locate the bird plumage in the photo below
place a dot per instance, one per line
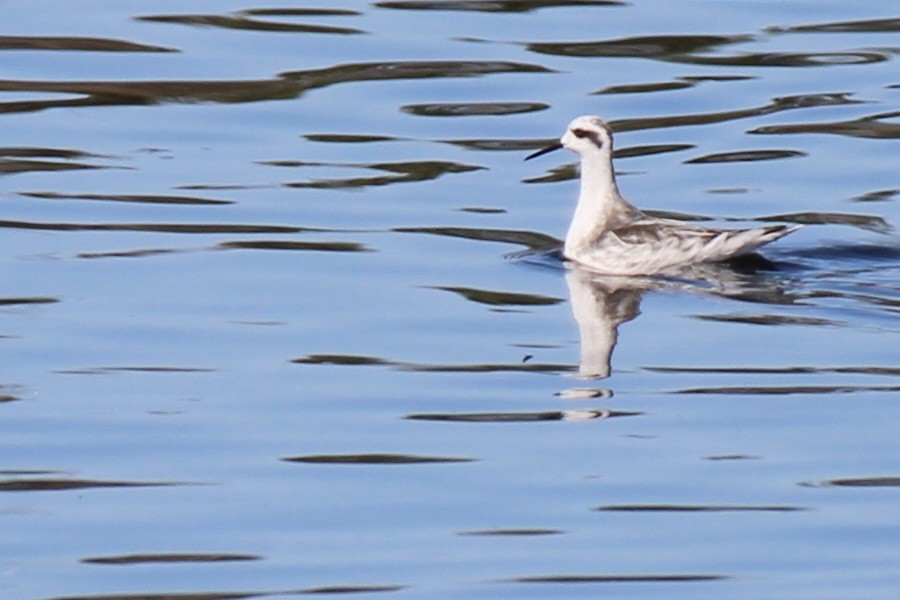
(610, 235)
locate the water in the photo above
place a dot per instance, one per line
(259, 336)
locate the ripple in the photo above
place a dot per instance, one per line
(14, 42)
(788, 390)
(643, 88)
(857, 252)
(877, 196)
(867, 222)
(679, 83)
(687, 49)
(495, 298)
(7, 397)
(685, 508)
(764, 319)
(778, 104)
(745, 156)
(53, 484)
(790, 59)
(285, 86)
(483, 210)
(732, 457)
(240, 595)
(348, 138)
(510, 6)
(533, 240)
(136, 369)
(186, 228)
(661, 46)
(341, 360)
(522, 417)
(23, 159)
(866, 26)
(301, 12)
(556, 174)
(294, 245)
(512, 532)
(872, 127)
(244, 20)
(638, 578)
(401, 172)
(26, 166)
(130, 198)
(788, 370)
(138, 253)
(863, 482)
(468, 109)
(517, 145)
(650, 150)
(136, 559)
(375, 459)
(359, 360)
(20, 300)
(428, 69)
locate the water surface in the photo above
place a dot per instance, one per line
(282, 314)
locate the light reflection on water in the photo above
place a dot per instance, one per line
(281, 310)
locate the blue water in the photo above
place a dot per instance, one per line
(259, 334)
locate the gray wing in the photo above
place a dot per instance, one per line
(652, 245)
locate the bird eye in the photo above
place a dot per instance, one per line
(581, 133)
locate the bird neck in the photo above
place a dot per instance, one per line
(600, 205)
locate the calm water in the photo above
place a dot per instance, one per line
(260, 335)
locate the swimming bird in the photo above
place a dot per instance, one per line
(611, 236)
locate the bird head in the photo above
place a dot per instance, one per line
(584, 135)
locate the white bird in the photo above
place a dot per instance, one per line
(611, 236)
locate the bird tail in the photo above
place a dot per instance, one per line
(744, 241)
(770, 234)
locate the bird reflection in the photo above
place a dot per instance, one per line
(601, 303)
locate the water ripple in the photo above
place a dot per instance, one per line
(698, 508)
(504, 6)
(687, 49)
(20, 300)
(866, 26)
(90, 44)
(872, 126)
(136, 559)
(128, 198)
(24, 160)
(245, 21)
(499, 298)
(468, 109)
(638, 578)
(239, 595)
(189, 228)
(523, 417)
(54, 484)
(401, 172)
(375, 459)
(288, 85)
(786, 390)
(294, 246)
(745, 156)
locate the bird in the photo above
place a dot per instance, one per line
(609, 235)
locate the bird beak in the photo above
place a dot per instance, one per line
(543, 151)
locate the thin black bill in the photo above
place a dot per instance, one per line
(543, 151)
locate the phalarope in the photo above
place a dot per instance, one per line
(611, 236)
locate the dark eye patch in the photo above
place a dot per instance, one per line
(587, 133)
